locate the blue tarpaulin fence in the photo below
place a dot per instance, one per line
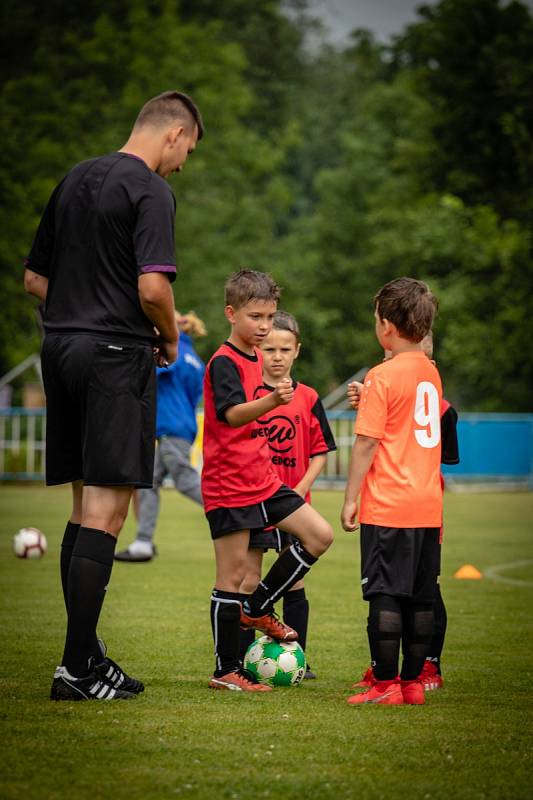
(493, 447)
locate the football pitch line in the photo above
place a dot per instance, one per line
(494, 573)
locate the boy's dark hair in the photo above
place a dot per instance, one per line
(410, 305)
(246, 285)
(169, 107)
(283, 321)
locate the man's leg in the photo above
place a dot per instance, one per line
(315, 535)
(104, 510)
(176, 454)
(70, 536)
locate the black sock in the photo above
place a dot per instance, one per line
(246, 638)
(246, 635)
(225, 616)
(291, 566)
(384, 634)
(417, 628)
(67, 545)
(439, 630)
(370, 643)
(296, 613)
(88, 577)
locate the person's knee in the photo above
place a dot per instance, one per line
(231, 579)
(318, 538)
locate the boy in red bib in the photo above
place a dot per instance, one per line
(239, 486)
(299, 439)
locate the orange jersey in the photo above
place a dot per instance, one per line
(400, 405)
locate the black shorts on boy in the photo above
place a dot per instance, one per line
(257, 516)
(400, 562)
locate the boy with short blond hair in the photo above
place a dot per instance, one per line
(299, 439)
(239, 486)
(395, 464)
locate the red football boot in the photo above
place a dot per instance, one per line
(413, 693)
(430, 677)
(271, 626)
(385, 693)
(238, 682)
(367, 680)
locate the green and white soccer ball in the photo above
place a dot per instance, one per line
(276, 663)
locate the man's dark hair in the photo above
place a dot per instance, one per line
(246, 285)
(168, 108)
(410, 305)
(283, 321)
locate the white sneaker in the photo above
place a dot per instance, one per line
(138, 551)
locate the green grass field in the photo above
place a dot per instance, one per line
(473, 739)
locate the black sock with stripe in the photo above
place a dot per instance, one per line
(225, 616)
(88, 577)
(246, 635)
(291, 566)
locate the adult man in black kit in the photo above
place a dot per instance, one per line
(103, 261)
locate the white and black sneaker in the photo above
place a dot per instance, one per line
(92, 687)
(110, 671)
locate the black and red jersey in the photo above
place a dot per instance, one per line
(295, 433)
(237, 470)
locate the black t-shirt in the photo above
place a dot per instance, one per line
(108, 221)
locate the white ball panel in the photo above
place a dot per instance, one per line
(287, 662)
(267, 668)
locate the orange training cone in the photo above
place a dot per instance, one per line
(468, 572)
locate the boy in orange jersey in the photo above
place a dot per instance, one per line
(240, 489)
(395, 464)
(430, 677)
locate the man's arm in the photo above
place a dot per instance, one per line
(35, 284)
(363, 452)
(316, 465)
(243, 413)
(157, 302)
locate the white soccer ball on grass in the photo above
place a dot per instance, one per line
(29, 543)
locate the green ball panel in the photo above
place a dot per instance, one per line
(265, 653)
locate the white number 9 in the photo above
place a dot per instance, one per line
(427, 415)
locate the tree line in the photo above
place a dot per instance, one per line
(335, 168)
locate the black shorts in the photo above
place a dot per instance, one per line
(270, 539)
(401, 562)
(101, 405)
(269, 512)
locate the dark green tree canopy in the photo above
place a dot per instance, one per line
(335, 169)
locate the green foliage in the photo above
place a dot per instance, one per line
(473, 61)
(336, 170)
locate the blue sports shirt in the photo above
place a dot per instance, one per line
(179, 389)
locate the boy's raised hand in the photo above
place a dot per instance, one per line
(284, 392)
(354, 393)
